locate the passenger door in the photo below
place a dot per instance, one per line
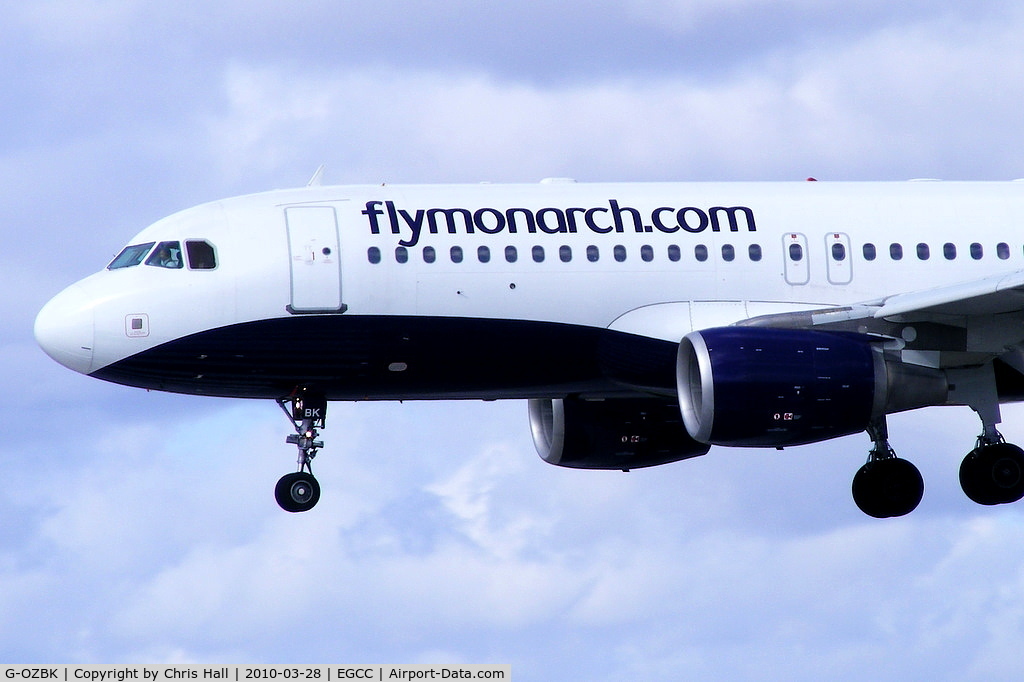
(315, 259)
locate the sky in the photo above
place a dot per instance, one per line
(140, 527)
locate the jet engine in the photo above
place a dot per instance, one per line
(610, 434)
(766, 387)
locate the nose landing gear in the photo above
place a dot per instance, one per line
(300, 491)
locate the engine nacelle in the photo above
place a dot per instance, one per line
(766, 387)
(610, 434)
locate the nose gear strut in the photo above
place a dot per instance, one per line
(300, 491)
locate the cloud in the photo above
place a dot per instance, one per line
(75, 23)
(141, 527)
(428, 532)
(838, 112)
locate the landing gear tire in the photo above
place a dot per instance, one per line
(993, 474)
(307, 411)
(888, 487)
(297, 492)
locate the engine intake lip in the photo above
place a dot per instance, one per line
(696, 386)
(547, 424)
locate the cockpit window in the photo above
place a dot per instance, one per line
(166, 255)
(130, 256)
(201, 255)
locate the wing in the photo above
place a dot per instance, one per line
(997, 295)
(960, 325)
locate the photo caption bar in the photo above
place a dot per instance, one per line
(250, 673)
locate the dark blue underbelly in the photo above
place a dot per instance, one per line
(350, 357)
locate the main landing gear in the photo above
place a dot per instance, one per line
(992, 473)
(300, 491)
(886, 486)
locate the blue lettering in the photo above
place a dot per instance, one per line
(449, 216)
(589, 218)
(572, 218)
(656, 219)
(498, 216)
(551, 220)
(371, 212)
(415, 224)
(560, 225)
(702, 219)
(510, 216)
(748, 216)
(638, 223)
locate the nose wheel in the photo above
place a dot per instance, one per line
(299, 491)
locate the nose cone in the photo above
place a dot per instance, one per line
(64, 329)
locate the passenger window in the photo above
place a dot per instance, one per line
(166, 255)
(130, 256)
(538, 254)
(838, 252)
(923, 252)
(674, 254)
(976, 251)
(646, 253)
(949, 251)
(1003, 250)
(401, 254)
(593, 253)
(754, 251)
(202, 256)
(700, 252)
(511, 255)
(796, 253)
(373, 254)
(728, 252)
(869, 252)
(483, 254)
(565, 253)
(429, 254)
(619, 252)
(456, 254)
(896, 251)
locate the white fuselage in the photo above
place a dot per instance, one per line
(651, 260)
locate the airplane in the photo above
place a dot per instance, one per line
(642, 322)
